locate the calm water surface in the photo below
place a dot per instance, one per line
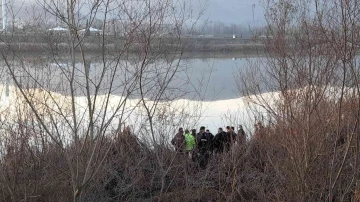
(205, 79)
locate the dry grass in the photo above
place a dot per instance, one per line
(264, 170)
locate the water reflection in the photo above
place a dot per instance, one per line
(205, 79)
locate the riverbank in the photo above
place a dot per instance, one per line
(58, 43)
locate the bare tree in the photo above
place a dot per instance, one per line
(310, 72)
(75, 102)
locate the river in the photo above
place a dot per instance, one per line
(207, 86)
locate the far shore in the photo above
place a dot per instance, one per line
(191, 47)
(39, 50)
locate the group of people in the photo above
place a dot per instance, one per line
(200, 146)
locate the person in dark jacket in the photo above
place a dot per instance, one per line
(179, 141)
(241, 135)
(219, 141)
(204, 142)
(204, 139)
(234, 135)
(193, 133)
(211, 138)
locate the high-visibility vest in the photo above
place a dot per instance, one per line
(190, 142)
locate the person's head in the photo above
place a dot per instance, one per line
(202, 129)
(193, 131)
(127, 130)
(207, 131)
(220, 130)
(181, 130)
(228, 128)
(187, 131)
(232, 128)
(240, 127)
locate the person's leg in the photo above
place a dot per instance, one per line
(206, 159)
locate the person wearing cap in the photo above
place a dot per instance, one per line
(179, 141)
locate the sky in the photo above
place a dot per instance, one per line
(235, 11)
(244, 12)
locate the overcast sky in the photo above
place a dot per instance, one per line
(245, 12)
(235, 11)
